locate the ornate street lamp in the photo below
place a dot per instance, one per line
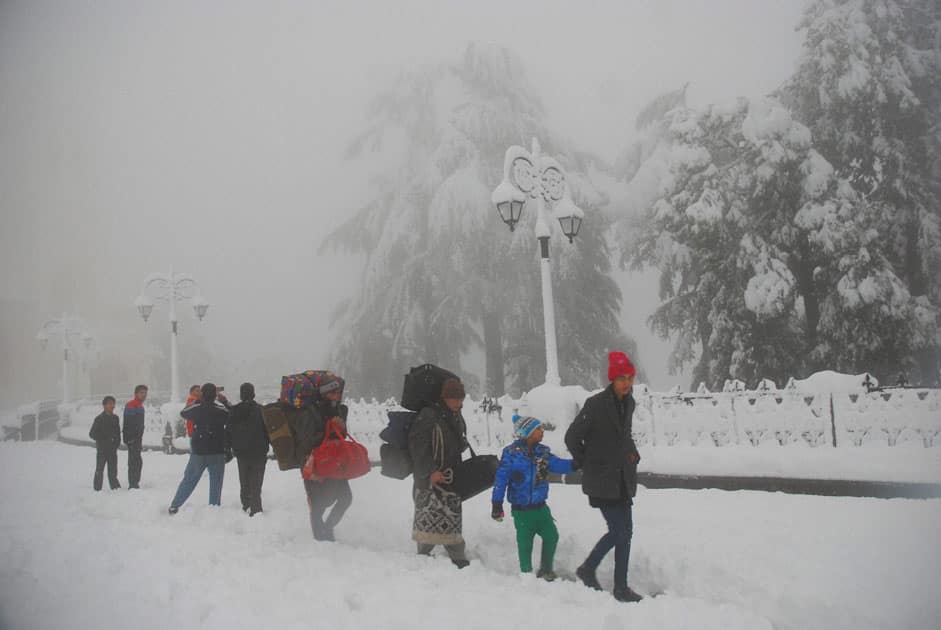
(531, 176)
(171, 288)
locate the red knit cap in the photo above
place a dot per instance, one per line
(619, 365)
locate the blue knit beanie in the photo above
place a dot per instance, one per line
(523, 426)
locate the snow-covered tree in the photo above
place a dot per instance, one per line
(442, 274)
(762, 252)
(868, 85)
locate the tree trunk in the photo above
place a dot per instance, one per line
(493, 349)
(808, 291)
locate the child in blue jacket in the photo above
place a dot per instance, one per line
(523, 475)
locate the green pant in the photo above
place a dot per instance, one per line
(529, 523)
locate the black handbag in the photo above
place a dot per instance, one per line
(474, 475)
(396, 462)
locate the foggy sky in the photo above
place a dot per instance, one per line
(209, 136)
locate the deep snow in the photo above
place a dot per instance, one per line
(73, 558)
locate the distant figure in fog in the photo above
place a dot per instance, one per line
(106, 431)
(134, 436)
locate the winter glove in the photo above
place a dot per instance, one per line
(634, 457)
(228, 455)
(497, 512)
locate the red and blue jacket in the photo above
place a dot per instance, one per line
(133, 428)
(523, 474)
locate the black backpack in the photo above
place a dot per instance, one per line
(423, 386)
(394, 456)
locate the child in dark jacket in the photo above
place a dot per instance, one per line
(523, 475)
(106, 431)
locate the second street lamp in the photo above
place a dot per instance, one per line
(171, 288)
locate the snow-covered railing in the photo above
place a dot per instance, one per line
(823, 410)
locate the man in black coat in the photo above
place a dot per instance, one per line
(106, 431)
(602, 446)
(209, 448)
(250, 446)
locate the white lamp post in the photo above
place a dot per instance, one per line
(529, 175)
(65, 327)
(171, 288)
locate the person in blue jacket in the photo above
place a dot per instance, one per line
(523, 475)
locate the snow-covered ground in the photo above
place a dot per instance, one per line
(73, 558)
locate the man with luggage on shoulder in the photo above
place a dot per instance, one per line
(435, 442)
(602, 446)
(133, 431)
(325, 407)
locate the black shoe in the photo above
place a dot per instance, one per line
(460, 564)
(588, 577)
(626, 595)
(171, 510)
(548, 576)
(133, 487)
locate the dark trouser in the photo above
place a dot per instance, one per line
(321, 495)
(455, 552)
(529, 524)
(620, 530)
(134, 464)
(251, 476)
(194, 472)
(109, 456)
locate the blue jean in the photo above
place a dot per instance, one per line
(620, 530)
(194, 472)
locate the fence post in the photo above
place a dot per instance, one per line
(832, 420)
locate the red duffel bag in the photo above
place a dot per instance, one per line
(340, 458)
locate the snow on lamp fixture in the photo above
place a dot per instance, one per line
(509, 201)
(569, 215)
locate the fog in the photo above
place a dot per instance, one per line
(210, 136)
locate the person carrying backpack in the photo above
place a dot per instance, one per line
(311, 432)
(523, 475)
(435, 443)
(250, 447)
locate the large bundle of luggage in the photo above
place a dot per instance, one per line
(422, 387)
(298, 391)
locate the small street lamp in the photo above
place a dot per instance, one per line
(66, 327)
(529, 175)
(171, 288)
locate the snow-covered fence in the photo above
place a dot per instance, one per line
(824, 410)
(33, 421)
